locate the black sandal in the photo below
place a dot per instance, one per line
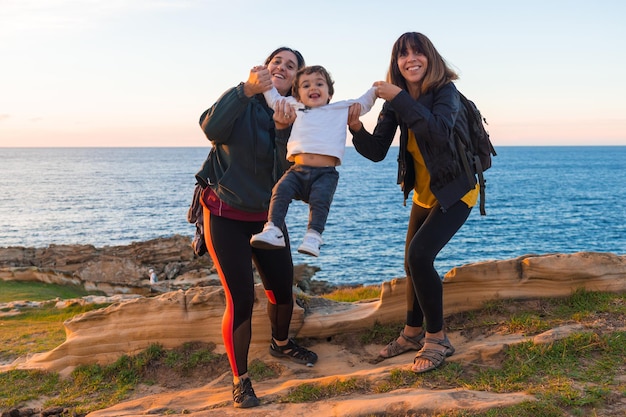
(294, 352)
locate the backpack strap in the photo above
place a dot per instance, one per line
(468, 171)
(481, 183)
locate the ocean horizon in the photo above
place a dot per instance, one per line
(539, 200)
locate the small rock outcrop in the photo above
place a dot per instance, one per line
(125, 269)
(110, 269)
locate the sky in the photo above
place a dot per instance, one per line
(140, 72)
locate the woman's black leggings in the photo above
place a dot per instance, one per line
(428, 232)
(228, 242)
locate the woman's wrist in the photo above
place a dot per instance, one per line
(356, 127)
(248, 91)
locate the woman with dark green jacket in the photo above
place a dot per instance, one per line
(245, 161)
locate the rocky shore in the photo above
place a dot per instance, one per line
(125, 269)
(188, 298)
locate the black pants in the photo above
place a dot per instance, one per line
(228, 242)
(428, 232)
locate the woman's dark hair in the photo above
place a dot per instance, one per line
(284, 48)
(313, 69)
(437, 72)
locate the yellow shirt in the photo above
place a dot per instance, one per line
(422, 195)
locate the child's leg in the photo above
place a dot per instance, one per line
(288, 187)
(322, 190)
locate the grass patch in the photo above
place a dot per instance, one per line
(574, 376)
(570, 377)
(39, 291)
(187, 358)
(381, 334)
(317, 392)
(350, 294)
(21, 386)
(260, 371)
(39, 329)
(36, 330)
(580, 358)
(530, 317)
(93, 387)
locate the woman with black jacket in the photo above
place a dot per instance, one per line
(424, 103)
(245, 161)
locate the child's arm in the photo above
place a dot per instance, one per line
(367, 100)
(272, 96)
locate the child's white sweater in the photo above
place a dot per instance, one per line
(320, 130)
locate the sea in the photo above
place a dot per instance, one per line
(539, 200)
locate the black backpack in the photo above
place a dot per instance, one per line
(475, 150)
(195, 216)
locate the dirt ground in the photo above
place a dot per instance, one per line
(205, 390)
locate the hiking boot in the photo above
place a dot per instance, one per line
(270, 238)
(294, 352)
(243, 394)
(311, 243)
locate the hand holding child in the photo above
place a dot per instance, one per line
(354, 115)
(386, 91)
(284, 114)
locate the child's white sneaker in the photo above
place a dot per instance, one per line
(311, 243)
(270, 238)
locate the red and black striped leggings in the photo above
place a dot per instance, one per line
(228, 242)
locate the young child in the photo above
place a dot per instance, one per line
(316, 146)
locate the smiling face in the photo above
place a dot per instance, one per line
(313, 90)
(412, 65)
(416, 66)
(283, 67)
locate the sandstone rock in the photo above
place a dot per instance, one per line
(555, 275)
(468, 287)
(128, 327)
(195, 314)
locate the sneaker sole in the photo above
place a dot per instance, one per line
(259, 244)
(296, 360)
(248, 403)
(307, 252)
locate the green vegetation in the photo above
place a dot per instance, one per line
(574, 376)
(577, 374)
(92, 387)
(337, 388)
(350, 295)
(36, 329)
(260, 370)
(38, 291)
(580, 375)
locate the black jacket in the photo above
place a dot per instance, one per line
(246, 158)
(432, 118)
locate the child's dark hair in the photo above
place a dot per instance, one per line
(313, 69)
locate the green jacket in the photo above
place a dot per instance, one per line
(246, 158)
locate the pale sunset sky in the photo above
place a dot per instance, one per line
(140, 72)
